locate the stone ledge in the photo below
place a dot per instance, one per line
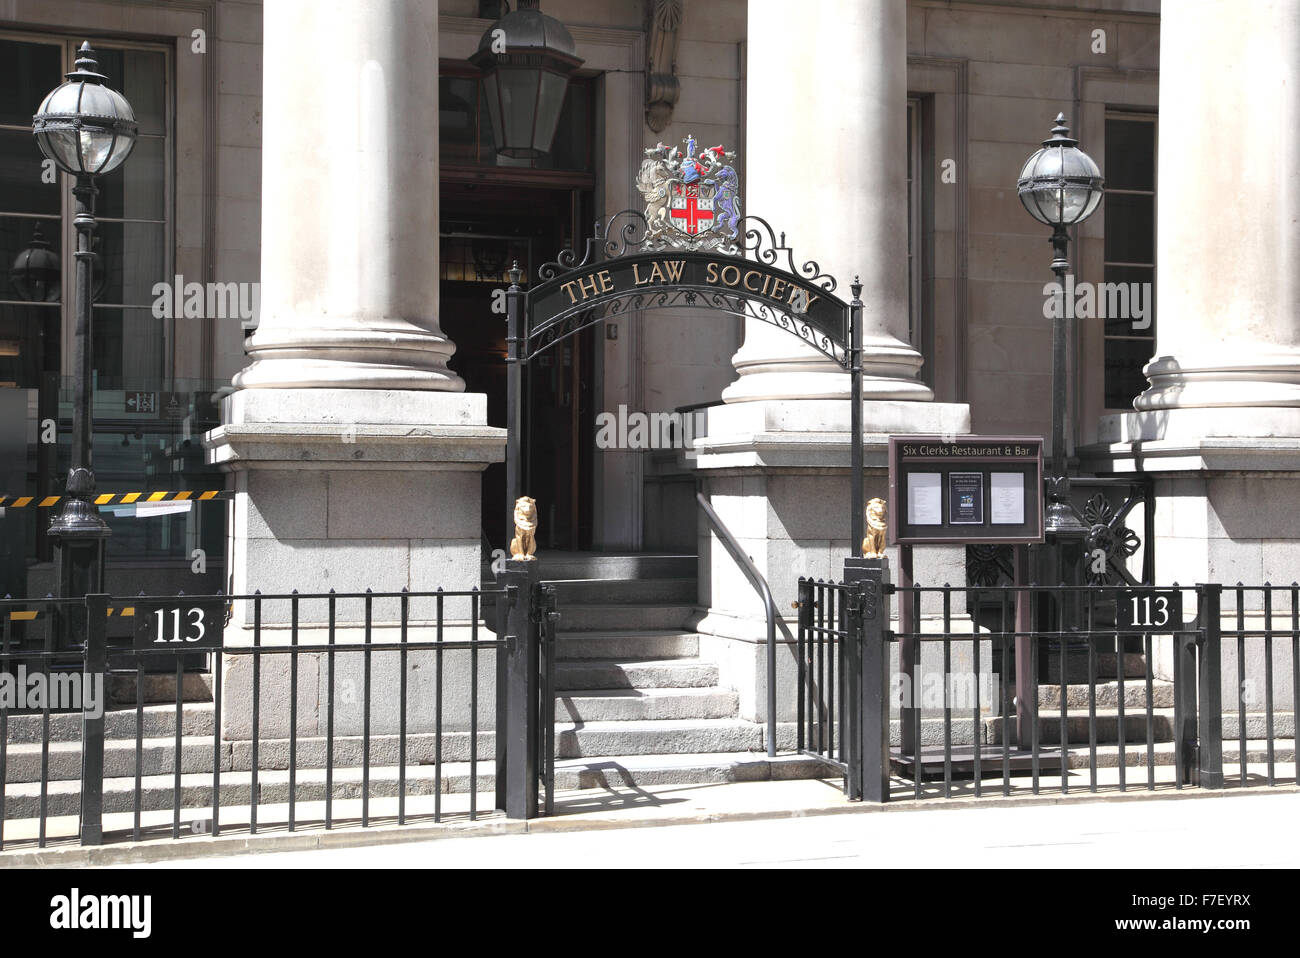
(354, 407)
(360, 446)
(813, 433)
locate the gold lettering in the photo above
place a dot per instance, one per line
(606, 281)
(766, 281)
(712, 273)
(674, 269)
(752, 272)
(636, 276)
(582, 282)
(566, 288)
(656, 274)
(732, 269)
(777, 288)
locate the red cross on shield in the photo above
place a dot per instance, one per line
(689, 210)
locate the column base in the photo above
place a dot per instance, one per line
(772, 365)
(366, 357)
(776, 472)
(1267, 376)
(349, 490)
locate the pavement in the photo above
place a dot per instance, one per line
(1237, 831)
(1239, 826)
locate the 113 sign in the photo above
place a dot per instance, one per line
(186, 625)
(1154, 610)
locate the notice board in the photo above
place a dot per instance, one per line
(967, 489)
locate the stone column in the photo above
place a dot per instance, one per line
(1229, 262)
(350, 199)
(356, 455)
(827, 165)
(1219, 427)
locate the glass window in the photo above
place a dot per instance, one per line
(31, 226)
(1130, 255)
(132, 238)
(133, 246)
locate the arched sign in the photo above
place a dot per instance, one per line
(674, 279)
(627, 270)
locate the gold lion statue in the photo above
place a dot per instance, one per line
(524, 544)
(873, 546)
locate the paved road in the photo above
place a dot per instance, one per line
(1246, 831)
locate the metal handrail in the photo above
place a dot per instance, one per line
(760, 586)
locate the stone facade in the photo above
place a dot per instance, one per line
(297, 128)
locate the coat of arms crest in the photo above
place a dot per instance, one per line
(692, 197)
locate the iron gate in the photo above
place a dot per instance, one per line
(977, 701)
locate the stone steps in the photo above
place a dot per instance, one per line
(157, 791)
(628, 617)
(634, 674)
(638, 705)
(1076, 667)
(574, 739)
(1108, 726)
(159, 720)
(558, 566)
(626, 645)
(1135, 695)
(569, 592)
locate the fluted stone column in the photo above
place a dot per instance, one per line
(1229, 260)
(355, 453)
(1219, 427)
(350, 199)
(827, 165)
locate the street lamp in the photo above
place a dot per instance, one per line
(36, 273)
(1061, 186)
(526, 58)
(87, 129)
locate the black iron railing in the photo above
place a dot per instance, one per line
(1002, 689)
(1274, 611)
(824, 656)
(315, 708)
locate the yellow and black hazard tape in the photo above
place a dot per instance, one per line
(118, 498)
(30, 615)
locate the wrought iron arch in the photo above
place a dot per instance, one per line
(568, 323)
(798, 298)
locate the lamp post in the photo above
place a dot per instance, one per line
(88, 130)
(1060, 186)
(526, 58)
(37, 277)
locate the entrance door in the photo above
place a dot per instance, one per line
(485, 228)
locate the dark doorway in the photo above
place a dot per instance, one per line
(486, 226)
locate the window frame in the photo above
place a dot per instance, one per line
(67, 232)
(1129, 115)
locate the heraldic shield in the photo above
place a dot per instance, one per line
(692, 197)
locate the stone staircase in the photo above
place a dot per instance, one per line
(635, 705)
